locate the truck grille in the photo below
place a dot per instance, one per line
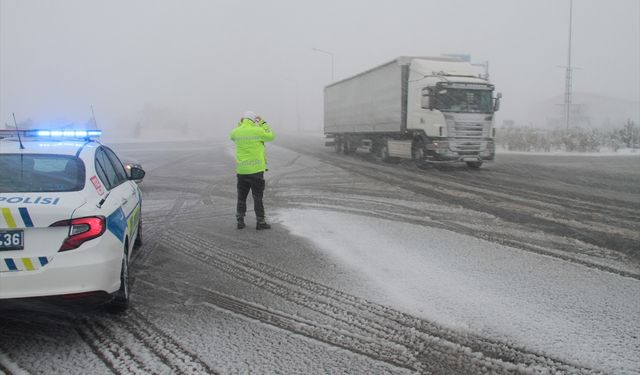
(468, 129)
(468, 146)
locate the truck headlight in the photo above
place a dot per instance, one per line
(438, 146)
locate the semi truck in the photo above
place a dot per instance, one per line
(428, 109)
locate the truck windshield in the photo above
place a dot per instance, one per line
(463, 100)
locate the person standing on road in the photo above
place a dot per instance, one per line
(251, 162)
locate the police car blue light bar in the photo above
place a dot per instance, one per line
(66, 133)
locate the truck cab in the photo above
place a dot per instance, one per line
(450, 112)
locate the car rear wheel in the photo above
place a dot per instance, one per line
(120, 301)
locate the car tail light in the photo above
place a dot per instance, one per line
(81, 230)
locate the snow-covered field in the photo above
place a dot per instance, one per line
(546, 305)
(603, 152)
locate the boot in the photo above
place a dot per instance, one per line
(241, 224)
(262, 224)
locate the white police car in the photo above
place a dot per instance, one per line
(69, 217)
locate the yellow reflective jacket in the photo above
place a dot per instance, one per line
(250, 153)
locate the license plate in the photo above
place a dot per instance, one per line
(11, 240)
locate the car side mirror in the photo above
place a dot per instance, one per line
(136, 173)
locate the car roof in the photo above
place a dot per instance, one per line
(45, 146)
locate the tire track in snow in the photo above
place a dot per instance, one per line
(131, 344)
(350, 341)
(429, 347)
(598, 234)
(9, 367)
(336, 337)
(496, 348)
(512, 237)
(496, 181)
(491, 182)
(173, 354)
(119, 359)
(561, 218)
(387, 211)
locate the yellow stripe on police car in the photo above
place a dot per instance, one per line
(23, 264)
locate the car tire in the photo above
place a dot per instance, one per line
(120, 301)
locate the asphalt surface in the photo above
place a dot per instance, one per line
(208, 298)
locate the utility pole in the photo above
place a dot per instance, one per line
(569, 69)
(93, 117)
(332, 62)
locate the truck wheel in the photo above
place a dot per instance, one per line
(474, 164)
(346, 147)
(417, 154)
(383, 153)
(337, 145)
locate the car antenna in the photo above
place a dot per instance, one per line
(18, 131)
(93, 116)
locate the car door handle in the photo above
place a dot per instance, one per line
(125, 201)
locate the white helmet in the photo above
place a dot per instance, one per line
(251, 116)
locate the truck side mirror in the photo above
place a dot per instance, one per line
(496, 104)
(425, 102)
(425, 99)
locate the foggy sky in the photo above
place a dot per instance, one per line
(206, 62)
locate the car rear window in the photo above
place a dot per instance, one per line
(40, 173)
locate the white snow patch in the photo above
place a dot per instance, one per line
(548, 305)
(7, 363)
(603, 152)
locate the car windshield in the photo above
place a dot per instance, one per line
(463, 100)
(40, 173)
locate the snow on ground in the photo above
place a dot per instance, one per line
(603, 152)
(10, 366)
(547, 305)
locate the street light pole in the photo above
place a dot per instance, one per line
(568, 83)
(332, 62)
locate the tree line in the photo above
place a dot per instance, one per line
(574, 139)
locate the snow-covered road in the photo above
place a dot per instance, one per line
(370, 268)
(559, 308)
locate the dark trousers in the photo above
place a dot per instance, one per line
(254, 182)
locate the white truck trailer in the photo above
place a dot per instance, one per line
(429, 109)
